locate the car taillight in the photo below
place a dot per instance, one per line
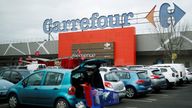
(155, 76)
(140, 81)
(71, 90)
(173, 74)
(108, 84)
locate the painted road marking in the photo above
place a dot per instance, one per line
(123, 107)
(159, 95)
(143, 100)
(152, 99)
(139, 100)
(182, 87)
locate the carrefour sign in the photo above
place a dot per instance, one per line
(94, 22)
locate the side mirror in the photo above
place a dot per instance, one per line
(24, 84)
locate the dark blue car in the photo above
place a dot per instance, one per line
(58, 88)
(136, 82)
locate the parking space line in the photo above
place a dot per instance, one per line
(124, 107)
(159, 94)
(131, 107)
(182, 87)
(139, 100)
(152, 99)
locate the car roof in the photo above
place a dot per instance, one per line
(135, 65)
(17, 70)
(104, 72)
(56, 70)
(107, 67)
(130, 71)
(159, 66)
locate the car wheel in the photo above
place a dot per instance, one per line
(157, 90)
(62, 103)
(187, 81)
(130, 92)
(169, 86)
(13, 101)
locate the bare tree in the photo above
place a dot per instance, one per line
(170, 39)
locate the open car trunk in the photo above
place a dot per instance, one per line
(87, 73)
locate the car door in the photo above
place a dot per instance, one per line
(31, 86)
(50, 88)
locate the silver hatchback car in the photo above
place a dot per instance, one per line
(158, 80)
(112, 82)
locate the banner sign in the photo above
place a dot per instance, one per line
(103, 50)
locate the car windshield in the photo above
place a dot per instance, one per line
(156, 72)
(111, 77)
(142, 75)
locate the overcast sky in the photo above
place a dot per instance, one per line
(23, 19)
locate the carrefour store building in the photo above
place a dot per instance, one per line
(111, 37)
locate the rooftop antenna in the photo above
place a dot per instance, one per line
(50, 36)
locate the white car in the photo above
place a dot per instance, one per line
(35, 66)
(188, 74)
(170, 74)
(112, 82)
(180, 68)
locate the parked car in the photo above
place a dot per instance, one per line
(4, 86)
(136, 82)
(35, 66)
(158, 80)
(14, 75)
(58, 88)
(180, 68)
(113, 83)
(170, 74)
(188, 75)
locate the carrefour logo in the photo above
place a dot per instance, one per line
(94, 22)
(100, 22)
(166, 14)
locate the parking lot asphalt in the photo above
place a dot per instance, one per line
(178, 97)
